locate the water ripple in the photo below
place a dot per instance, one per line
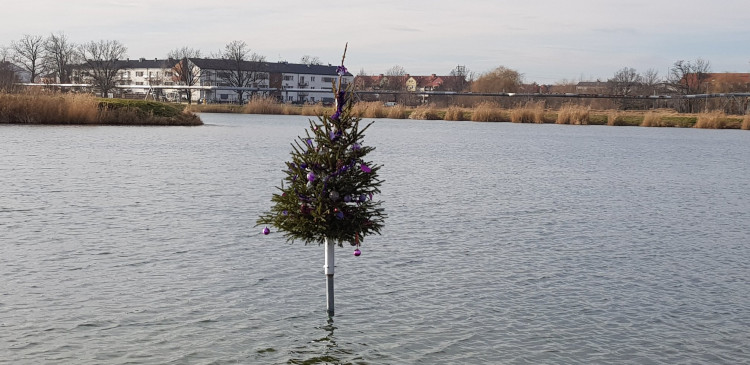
(505, 243)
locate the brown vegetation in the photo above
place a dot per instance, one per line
(425, 112)
(46, 108)
(531, 112)
(711, 120)
(455, 113)
(489, 112)
(573, 114)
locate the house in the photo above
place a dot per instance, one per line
(303, 83)
(591, 87)
(142, 73)
(728, 82)
(289, 82)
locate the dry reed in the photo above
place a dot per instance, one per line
(397, 112)
(711, 120)
(48, 109)
(261, 105)
(615, 117)
(454, 113)
(55, 108)
(314, 110)
(488, 112)
(653, 119)
(573, 114)
(746, 122)
(369, 109)
(531, 112)
(425, 112)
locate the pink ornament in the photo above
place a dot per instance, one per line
(266, 231)
(357, 252)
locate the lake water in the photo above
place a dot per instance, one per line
(505, 244)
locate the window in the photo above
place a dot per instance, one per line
(139, 83)
(312, 79)
(139, 74)
(168, 73)
(288, 77)
(328, 79)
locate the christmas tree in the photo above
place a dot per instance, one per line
(329, 188)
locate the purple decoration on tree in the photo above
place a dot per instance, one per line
(340, 215)
(347, 198)
(357, 252)
(310, 176)
(285, 212)
(356, 147)
(309, 142)
(341, 70)
(365, 168)
(303, 165)
(362, 198)
(266, 230)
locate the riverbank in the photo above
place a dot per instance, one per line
(81, 109)
(531, 112)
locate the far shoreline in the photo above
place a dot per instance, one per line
(490, 112)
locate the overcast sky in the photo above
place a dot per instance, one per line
(545, 40)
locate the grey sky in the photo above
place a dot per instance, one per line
(546, 40)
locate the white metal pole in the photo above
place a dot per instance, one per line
(328, 267)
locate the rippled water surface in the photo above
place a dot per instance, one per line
(505, 244)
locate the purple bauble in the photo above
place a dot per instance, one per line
(310, 176)
(362, 198)
(340, 215)
(266, 230)
(357, 252)
(347, 198)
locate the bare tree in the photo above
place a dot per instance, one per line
(243, 67)
(501, 79)
(310, 60)
(395, 79)
(689, 78)
(59, 56)
(624, 82)
(7, 71)
(650, 81)
(101, 58)
(28, 53)
(460, 79)
(185, 72)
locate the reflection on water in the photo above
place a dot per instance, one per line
(505, 243)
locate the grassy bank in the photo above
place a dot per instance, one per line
(44, 108)
(530, 112)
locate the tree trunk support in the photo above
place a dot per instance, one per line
(328, 267)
